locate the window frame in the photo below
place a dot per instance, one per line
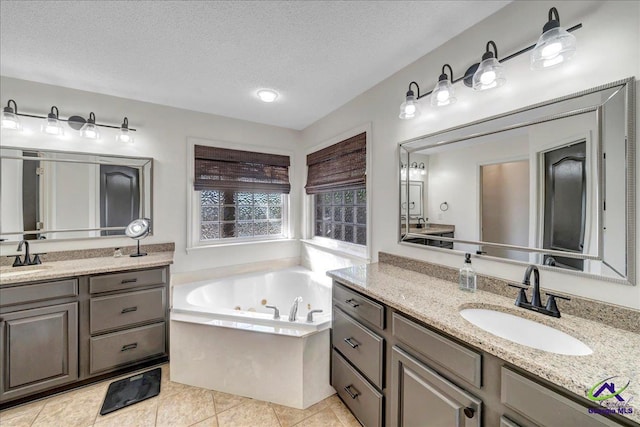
(339, 247)
(193, 202)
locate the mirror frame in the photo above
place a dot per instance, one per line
(628, 86)
(146, 160)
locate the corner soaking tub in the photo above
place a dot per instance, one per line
(224, 338)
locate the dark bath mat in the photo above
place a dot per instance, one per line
(128, 391)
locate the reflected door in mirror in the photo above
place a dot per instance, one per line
(119, 197)
(565, 203)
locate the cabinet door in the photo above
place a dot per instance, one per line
(38, 349)
(421, 397)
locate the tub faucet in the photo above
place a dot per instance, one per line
(310, 315)
(276, 311)
(294, 309)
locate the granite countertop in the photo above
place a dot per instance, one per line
(80, 267)
(437, 303)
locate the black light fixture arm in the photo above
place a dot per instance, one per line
(506, 58)
(37, 116)
(52, 114)
(488, 53)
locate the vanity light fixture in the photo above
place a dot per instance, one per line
(124, 135)
(52, 125)
(490, 73)
(554, 46)
(443, 93)
(409, 108)
(90, 130)
(267, 95)
(9, 117)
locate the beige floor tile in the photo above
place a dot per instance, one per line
(21, 420)
(76, 408)
(224, 401)
(324, 418)
(141, 414)
(185, 408)
(26, 412)
(342, 412)
(249, 414)
(209, 422)
(290, 416)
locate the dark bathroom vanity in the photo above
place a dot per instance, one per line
(391, 368)
(60, 332)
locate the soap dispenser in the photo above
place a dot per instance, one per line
(467, 275)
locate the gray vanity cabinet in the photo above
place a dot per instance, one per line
(420, 396)
(38, 337)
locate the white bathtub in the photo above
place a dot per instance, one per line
(223, 338)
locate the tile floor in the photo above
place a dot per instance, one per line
(177, 405)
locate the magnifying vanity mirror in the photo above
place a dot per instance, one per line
(47, 194)
(551, 184)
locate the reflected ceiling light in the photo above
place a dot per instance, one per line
(52, 125)
(409, 108)
(267, 95)
(9, 118)
(124, 135)
(90, 130)
(490, 73)
(443, 93)
(555, 46)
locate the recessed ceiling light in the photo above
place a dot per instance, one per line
(267, 95)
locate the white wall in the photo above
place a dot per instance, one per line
(162, 134)
(608, 50)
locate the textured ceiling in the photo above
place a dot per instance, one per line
(213, 56)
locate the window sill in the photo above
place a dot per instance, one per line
(338, 248)
(238, 243)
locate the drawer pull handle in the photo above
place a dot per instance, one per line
(352, 303)
(134, 280)
(129, 310)
(129, 346)
(351, 343)
(350, 393)
(469, 412)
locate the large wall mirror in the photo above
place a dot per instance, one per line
(551, 184)
(61, 195)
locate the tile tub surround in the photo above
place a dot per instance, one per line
(82, 254)
(177, 405)
(80, 267)
(437, 303)
(617, 316)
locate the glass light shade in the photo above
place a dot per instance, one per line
(554, 47)
(90, 131)
(490, 74)
(52, 126)
(124, 136)
(409, 108)
(10, 121)
(443, 94)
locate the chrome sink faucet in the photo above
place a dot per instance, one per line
(293, 313)
(550, 309)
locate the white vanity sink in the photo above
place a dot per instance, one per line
(526, 332)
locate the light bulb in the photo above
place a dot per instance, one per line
(490, 72)
(125, 134)
(52, 125)
(443, 95)
(9, 117)
(555, 46)
(267, 95)
(90, 130)
(409, 109)
(551, 50)
(10, 123)
(488, 77)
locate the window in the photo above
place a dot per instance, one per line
(242, 194)
(342, 215)
(336, 178)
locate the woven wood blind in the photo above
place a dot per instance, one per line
(339, 166)
(225, 169)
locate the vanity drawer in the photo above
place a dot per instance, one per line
(119, 348)
(115, 311)
(459, 360)
(528, 398)
(38, 292)
(363, 400)
(128, 280)
(358, 306)
(362, 347)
